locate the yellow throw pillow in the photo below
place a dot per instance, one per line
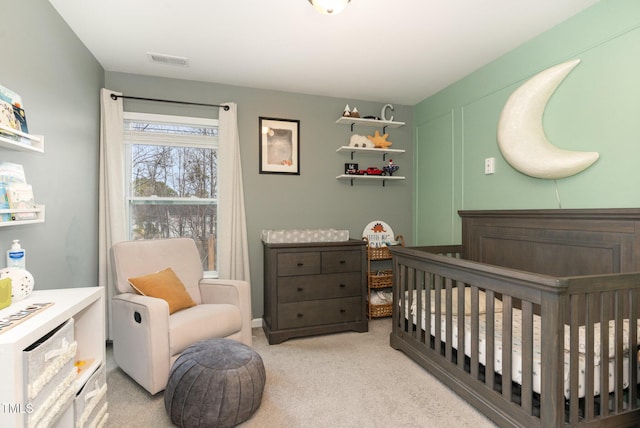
(164, 285)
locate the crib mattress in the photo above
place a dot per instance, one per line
(517, 344)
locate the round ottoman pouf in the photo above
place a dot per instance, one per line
(214, 383)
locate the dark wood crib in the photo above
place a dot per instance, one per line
(535, 288)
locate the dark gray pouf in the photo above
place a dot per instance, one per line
(214, 383)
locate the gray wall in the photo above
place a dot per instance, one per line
(59, 81)
(313, 199)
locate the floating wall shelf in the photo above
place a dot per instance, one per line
(384, 152)
(21, 141)
(382, 178)
(372, 123)
(38, 210)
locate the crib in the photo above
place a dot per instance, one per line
(534, 319)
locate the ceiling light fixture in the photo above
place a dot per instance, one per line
(329, 7)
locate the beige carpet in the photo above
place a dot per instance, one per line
(338, 380)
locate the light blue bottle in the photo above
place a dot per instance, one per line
(17, 256)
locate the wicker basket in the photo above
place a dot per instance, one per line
(379, 253)
(379, 311)
(381, 278)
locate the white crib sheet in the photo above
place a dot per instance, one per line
(517, 344)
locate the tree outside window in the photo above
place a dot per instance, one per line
(172, 183)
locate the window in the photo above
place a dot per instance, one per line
(171, 167)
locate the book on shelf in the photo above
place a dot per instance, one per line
(10, 96)
(11, 172)
(21, 120)
(7, 119)
(4, 202)
(12, 115)
(20, 197)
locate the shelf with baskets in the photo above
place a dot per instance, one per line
(379, 279)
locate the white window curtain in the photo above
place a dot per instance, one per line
(233, 250)
(111, 205)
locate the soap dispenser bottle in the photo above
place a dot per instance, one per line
(16, 256)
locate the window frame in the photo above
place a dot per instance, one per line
(171, 140)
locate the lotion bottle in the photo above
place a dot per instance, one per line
(16, 256)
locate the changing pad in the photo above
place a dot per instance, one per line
(285, 236)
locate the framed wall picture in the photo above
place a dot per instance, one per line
(279, 146)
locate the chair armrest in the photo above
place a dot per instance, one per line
(141, 339)
(230, 291)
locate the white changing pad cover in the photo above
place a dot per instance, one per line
(516, 352)
(286, 236)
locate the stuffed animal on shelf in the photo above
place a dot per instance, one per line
(350, 113)
(360, 141)
(380, 141)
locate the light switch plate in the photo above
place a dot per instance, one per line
(490, 165)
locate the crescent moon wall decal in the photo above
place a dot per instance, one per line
(521, 136)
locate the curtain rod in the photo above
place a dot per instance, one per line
(115, 97)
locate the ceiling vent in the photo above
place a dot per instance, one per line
(168, 59)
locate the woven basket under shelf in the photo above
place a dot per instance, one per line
(379, 253)
(381, 279)
(378, 311)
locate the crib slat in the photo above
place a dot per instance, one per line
(604, 352)
(619, 357)
(460, 289)
(574, 361)
(448, 320)
(634, 356)
(589, 375)
(552, 355)
(507, 344)
(430, 285)
(419, 287)
(490, 344)
(411, 287)
(437, 312)
(399, 295)
(475, 333)
(526, 393)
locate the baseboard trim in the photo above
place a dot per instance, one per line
(256, 323)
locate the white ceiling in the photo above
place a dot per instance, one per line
(391, 51)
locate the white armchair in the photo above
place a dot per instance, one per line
(146, 339)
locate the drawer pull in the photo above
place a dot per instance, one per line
(300, 315)
(343, 262)
(300, 264)
(343, 285)
(342, 311)
(300, 289)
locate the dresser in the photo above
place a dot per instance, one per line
(314, 288)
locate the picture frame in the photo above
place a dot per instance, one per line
(279, 146)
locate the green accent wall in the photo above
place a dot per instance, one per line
(596, 108)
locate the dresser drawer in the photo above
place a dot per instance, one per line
(302, 263)
(341, 261)
(327, 286)
(319, 312)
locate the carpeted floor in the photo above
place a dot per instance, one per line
(338, 380)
